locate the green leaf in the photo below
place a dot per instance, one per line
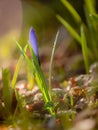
(69, 28)
(38, 75)
(84, 48)
(72, 11)
(18, 66)
(92, 31)
(90, 5)
(26, 57)
(40, 79)
(16, 72)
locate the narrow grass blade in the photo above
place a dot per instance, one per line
(38, 75)
(90, 5)
(30, 80)
(16, 71)
(35, 69)
(72, 11)
(51, 64)
(18, 66)
(84, 49)
(40, 79)
(69, 28)
(93, 32)
(26, 57)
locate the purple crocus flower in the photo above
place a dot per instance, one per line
(33, 42)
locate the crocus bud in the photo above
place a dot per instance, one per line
(33, 42)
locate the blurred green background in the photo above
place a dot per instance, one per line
(16, 18)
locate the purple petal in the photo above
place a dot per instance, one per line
(33, 41)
